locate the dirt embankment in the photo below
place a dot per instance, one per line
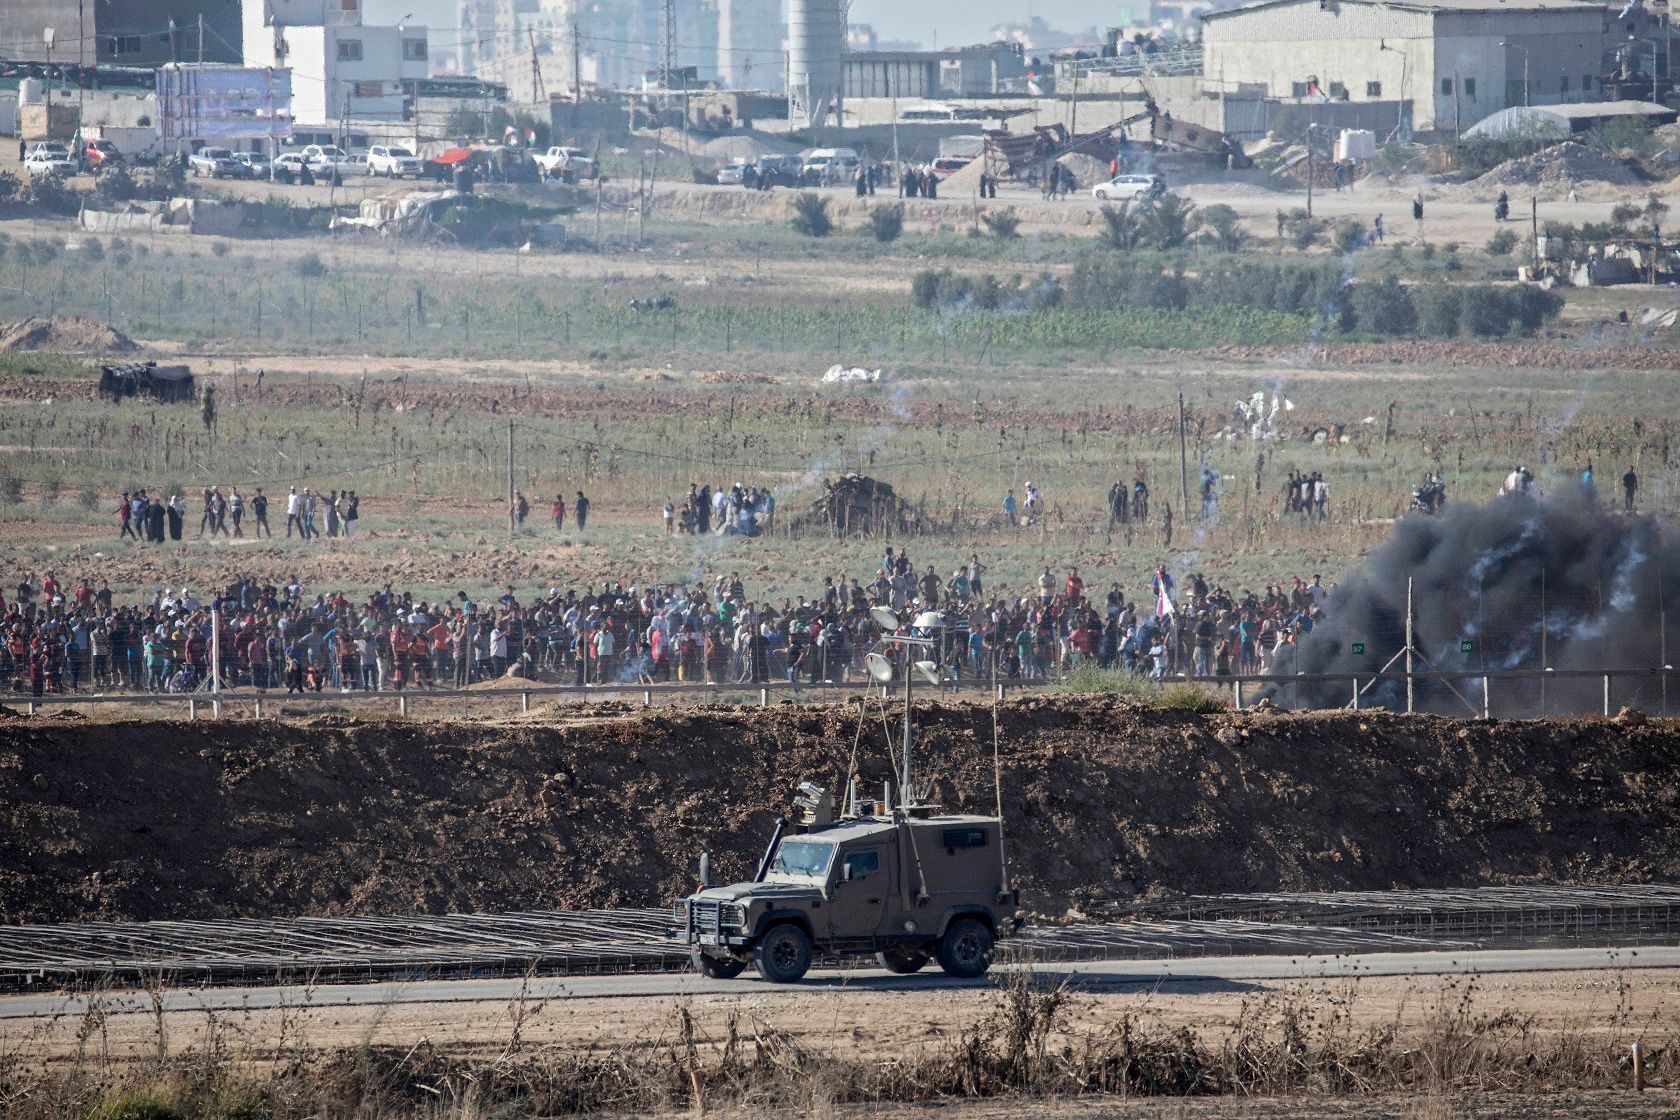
(151, 820)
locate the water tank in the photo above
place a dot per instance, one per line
(31, 91)
(816, 43)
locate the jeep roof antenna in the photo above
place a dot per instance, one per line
(882, 670)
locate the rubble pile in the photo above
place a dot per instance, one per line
(857, 505)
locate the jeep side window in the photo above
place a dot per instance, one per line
(963, 837)
(859, 864)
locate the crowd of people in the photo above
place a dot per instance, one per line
(61, 637)
(152, 519)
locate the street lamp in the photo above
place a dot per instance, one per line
(1508, 45)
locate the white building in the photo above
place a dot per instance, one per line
(1452, 61)
(341, 68)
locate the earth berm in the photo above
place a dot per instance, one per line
(610, 806)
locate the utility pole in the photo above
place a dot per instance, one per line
(1183, 460)
(510, 478)
(577, 71)
(1309, 164)
(201, 38)
(538, 93)
(1410, 684)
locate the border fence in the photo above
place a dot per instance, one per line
(1484, 695)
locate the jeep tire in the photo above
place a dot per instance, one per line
(717, 968)
(783, 955)
(966, 949)
(902, 961)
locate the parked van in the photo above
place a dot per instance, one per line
(835, 162)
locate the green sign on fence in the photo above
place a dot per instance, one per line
(1465, 645)
(1358, 649)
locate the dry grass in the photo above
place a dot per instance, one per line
(1034, 1039)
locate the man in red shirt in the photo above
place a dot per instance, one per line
(1075, 586)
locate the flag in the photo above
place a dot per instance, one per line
(510, 135)
(1163, 601)
(530, 137)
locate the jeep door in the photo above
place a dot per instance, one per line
(863, 886)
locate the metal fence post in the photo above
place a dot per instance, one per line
(1356, 694)
(1607, 694)
(647, 697)
(1487, 706)
(1236, 693)
(525, 700)
(192, 708)
(215, 709)
(764, 697)
(259, 707)
(402, 703)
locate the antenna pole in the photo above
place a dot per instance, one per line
(904, 778)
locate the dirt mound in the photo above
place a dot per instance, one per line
(1102, 801)
(1560, 166)
(65, 333)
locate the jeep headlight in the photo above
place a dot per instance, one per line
(679, 911)
(738, 915)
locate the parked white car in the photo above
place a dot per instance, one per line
(567, 163)
(1129, 187)
(393, 162)
(218, 163)
(319, 157)
(49, 159)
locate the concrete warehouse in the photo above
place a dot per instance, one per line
(1452, 61)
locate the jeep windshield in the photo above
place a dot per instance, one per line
(806, 859)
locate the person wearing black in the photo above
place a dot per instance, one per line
(1630, 487)
(580, 510)
(352, 514)
(259, 510)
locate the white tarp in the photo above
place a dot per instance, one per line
(223, 102)
(1522, 122)
(838, 373)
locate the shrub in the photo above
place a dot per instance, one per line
(1439, 310)
(93, 249)
(11, 187)
(1002, 223)
(1120, 227)
(810, 215)
(1384, 308)
(886, 223)
(51, 486)
(1487, 313)
(1191, 698)
(88, 498)
(1168, 221)
(1304, 232)
(1533, 307)
(50, 193)
(1349, 235)
(135, 1104)
(1222, 228)
(218, 248)
(924, 288)
(11, 490)
(1625, 213)
(987, 293)
(115, 184)
(1502, 244)
(309, 266)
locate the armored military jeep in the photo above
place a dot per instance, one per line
(904, 883)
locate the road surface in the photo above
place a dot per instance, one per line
(1094, 976)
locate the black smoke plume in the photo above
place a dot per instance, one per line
(1496, 588)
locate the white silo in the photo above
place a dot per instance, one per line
(816, 40)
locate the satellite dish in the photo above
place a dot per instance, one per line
(929, 671)
(879, 667)
(929, 620)
(884, 618)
